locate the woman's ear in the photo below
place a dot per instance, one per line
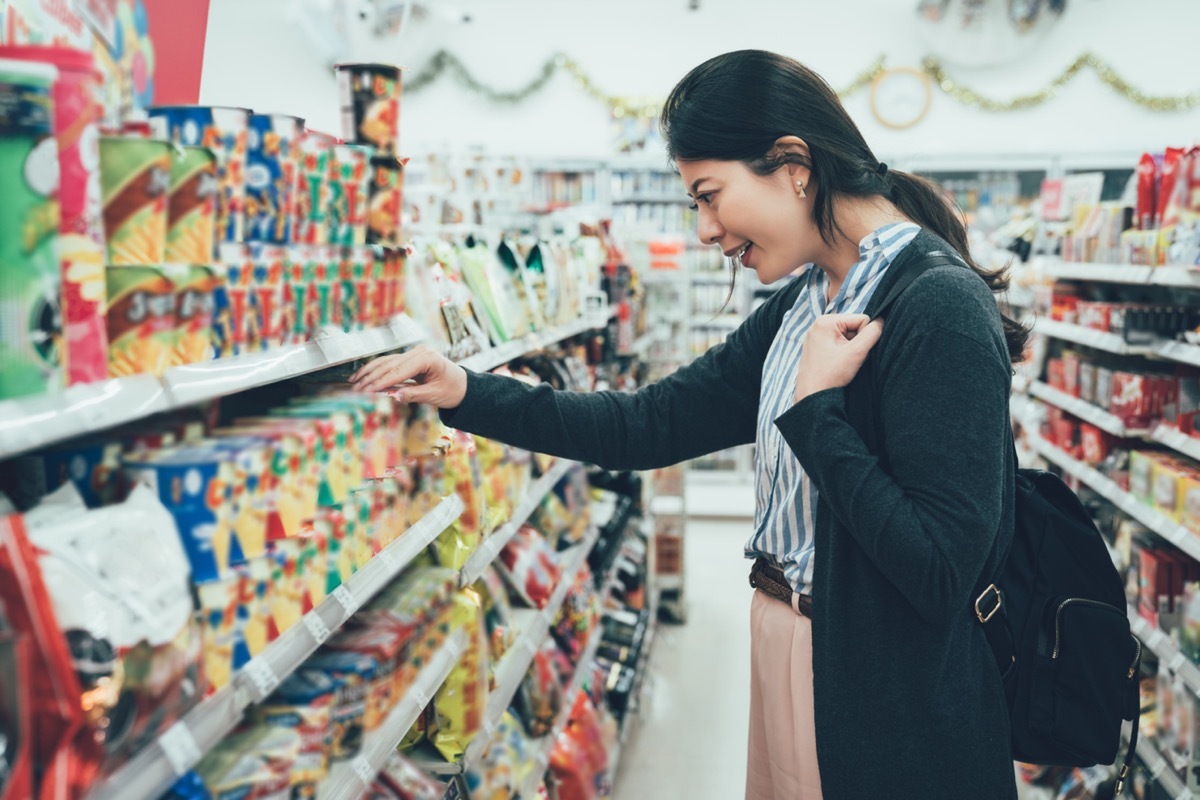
(798, 163)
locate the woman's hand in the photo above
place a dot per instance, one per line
(834, 350)
(418, 376)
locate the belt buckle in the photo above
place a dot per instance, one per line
(979, 613)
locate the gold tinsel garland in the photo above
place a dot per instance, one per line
(444, 61)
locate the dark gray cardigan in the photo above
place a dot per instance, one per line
(908, 700)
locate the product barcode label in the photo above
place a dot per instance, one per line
(362, 768)
(346, 598)
(180, 748)
(263, 676)
(317, 627)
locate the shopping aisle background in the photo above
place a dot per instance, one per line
(691, 739)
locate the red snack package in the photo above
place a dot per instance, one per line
(586, 728)
(15, 699)
(572, 769)
(530, 566)
(1147, 201)
(1167, 203)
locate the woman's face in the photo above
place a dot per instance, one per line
(763, 218)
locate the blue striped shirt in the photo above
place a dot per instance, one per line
(785, 499)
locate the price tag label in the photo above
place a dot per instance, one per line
(389, 560)
(180, 748)
(489, 729)
(317, 627)
(362, 768)
(420, 696)
(346, 598)
(262, 675)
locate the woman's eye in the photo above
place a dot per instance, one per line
(705, 198)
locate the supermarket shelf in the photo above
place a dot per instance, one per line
(1178, 276)
(34, 422)
(347, 780)
(1179, 351)
(1160, 770)
(497, 356)
(1091, 338)
(1161, 645)
(515, 664)
(487, 552)
(1172, 531)
(153, 770)
(1084, 410)
(642, 344)
(1174, 439)
(546, 746)
(719, 321)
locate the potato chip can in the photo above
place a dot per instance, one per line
(370, 98)
(81, 227)
(272, 171)
(195, 287)
(30, 273)
(386, 201)
(135, 178)
(224, 130)
(141, 320)
(192, 206)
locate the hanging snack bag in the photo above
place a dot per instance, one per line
(530, 566)
(461, 702)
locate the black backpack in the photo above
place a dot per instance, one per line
(1055, 616)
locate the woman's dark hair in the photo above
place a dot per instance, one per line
(736, 106)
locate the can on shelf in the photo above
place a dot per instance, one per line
(224, 130)
(81, 227)
(141, 320)
(386, 201)
(272, 171)
(370, 100)
(270, 265)
(30, 272)
(195, 287)
(312, 192)
(192, 206)
(135, 178)
(350, 189)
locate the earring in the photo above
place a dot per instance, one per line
(800, 190)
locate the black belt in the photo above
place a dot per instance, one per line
(771, 581)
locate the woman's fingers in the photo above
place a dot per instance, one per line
(383, 373)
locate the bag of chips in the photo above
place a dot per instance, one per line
(578, 616)
(530, 566)
(461, 702)
(541, 697)
(506, 765)
(403, 780)
(502, 630)
(128, 621)
(571, 766)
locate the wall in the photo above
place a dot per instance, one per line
(641, 47)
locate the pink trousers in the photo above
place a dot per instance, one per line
(782, 761)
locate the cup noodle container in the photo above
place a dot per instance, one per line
(192, 206)
(386, 201)
(235, 325)
(224, 130)
(350, 189)
(81, 228)
(313, 191)
(135, 178)
(30, 274)
(272, 170)
(370, 100)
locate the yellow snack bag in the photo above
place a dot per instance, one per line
(461, 703)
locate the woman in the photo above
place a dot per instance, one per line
(870, 677)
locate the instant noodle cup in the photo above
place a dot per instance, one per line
(270, 265)
(290, 598)
(272, 171)
(350, 184)
(234, 320)
(330, 524)
(219, 601)
(135, 178)
(30, 272)
(93, 465)
(370, 97)
(354, 674)
(295, 296)
(141, 320)
(81, 226)
(386, 200)
(255, 625)
(303, 703)
(192, 206)
(388, 651)
(312, 190)
(195, 483)
(250, 457)
(195, 288)
(224, 130)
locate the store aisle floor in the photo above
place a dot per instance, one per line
(691, 739)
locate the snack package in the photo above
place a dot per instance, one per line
(354, 674)
(400, 779)
(93, 465)
(461, 702)
(52, 688)
(127, 622)
(255, 762)
(570, 764)
(505, 765)
(565, 514)
(15, 731)
(578, 616)
(501, 626)
(380, 642)
(541, 697)
(303, 703)
(585, 726)
(530, 566)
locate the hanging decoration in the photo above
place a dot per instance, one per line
(444, 61)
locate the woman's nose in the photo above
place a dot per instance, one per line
(709, 230)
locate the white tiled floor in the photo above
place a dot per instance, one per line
(691, 739)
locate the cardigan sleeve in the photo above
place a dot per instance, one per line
(930, 520)
(709, 405)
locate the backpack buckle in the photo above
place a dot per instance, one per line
(985, 617)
